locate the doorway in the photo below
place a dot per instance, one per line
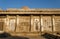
(35, 24)
(47, 24)
(11, 23)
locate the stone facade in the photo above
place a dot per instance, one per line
(26, 21)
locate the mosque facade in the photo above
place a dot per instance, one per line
(30, 21)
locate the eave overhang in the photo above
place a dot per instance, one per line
(30, 11)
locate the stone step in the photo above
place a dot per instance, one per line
(36, 37)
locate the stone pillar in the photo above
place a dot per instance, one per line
(41, 24)
(7, 24)
(17, 23)
(31, 23)
(53, 24)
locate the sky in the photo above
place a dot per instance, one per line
(4, 4)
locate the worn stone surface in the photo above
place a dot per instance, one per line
(26, 21)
